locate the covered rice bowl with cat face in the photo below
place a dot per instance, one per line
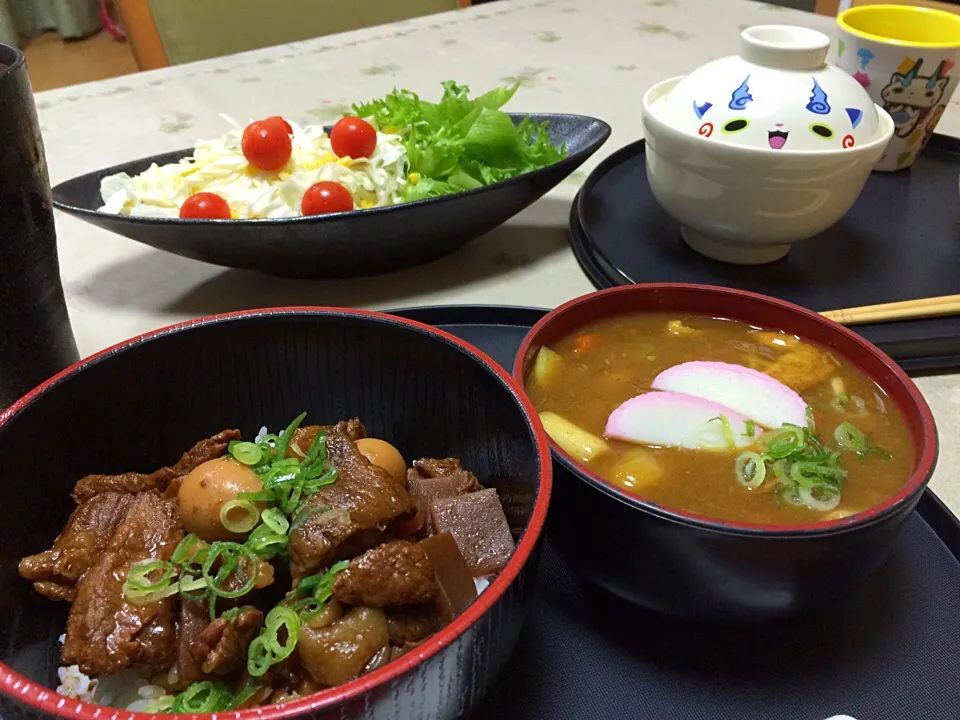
(751, 153)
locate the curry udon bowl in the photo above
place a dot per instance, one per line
(714, 563)
(139, 404)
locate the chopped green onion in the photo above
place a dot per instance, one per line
(231, 554)
(267, 648)
(848, 437)
(726, 430)
(819, 497)
(811, 423)
(278, 618)
(751, 428)
(301, 517)
(266, 543)
(785, 441)
(255, 497)
(143, 578)
(249, 690)
(283, 442)
(162, 704)
(842, 400)
(187, 550)
(239, 516)
(201, 697)
(188, 587)
(276, 521)
(143, 585)
(750, 470)
(874, 450)
(247, 453)
(808, 474)
(184, 586)
(259, 659)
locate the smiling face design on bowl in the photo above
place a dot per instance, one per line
(748, 116)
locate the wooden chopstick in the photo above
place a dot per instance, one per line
(902, 310)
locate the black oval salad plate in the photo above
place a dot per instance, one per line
(349, 244)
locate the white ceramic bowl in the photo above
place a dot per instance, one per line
(747, 202)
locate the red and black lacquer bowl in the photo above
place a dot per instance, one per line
(139, 404)
(698, 568)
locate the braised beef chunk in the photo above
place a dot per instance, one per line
(394, 573)
(347, 516)
(303, 437)
(424, 490)
(105, 632)
(56, 591)
(131, 482)
(411, 623)
(87, 532)
(194, 617)
(479, 526)
(440, 467)
(340, 651)
(221, 648)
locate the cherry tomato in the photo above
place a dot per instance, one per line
(205, 206)
(266, 144)
(282, 121)
(353, 137)
(326, 197)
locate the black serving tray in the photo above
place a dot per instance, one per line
(900, 241)
(890, 652)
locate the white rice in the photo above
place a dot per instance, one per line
(125, 690)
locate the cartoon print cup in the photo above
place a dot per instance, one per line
(906, 59)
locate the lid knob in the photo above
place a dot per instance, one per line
(786, 47)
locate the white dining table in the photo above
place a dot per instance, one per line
(594, 57)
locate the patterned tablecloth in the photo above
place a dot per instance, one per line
(595, 57)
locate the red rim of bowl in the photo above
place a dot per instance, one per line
(927, 449)
(47, 700)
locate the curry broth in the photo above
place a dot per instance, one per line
(614, 360)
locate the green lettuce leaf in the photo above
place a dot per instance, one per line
(460, 143)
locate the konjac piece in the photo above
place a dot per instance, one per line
(424, 490)
(477, 523)
(105, 632)
(457, 588)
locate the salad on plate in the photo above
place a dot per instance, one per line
(392, 150)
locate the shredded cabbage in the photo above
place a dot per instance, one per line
(219, 166)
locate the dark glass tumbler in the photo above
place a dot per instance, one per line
(36, 340)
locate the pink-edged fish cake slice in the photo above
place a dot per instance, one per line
(749, 392)
(670, 419)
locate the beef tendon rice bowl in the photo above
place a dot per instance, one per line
(258, 570)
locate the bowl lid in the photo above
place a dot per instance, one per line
(778, 93)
